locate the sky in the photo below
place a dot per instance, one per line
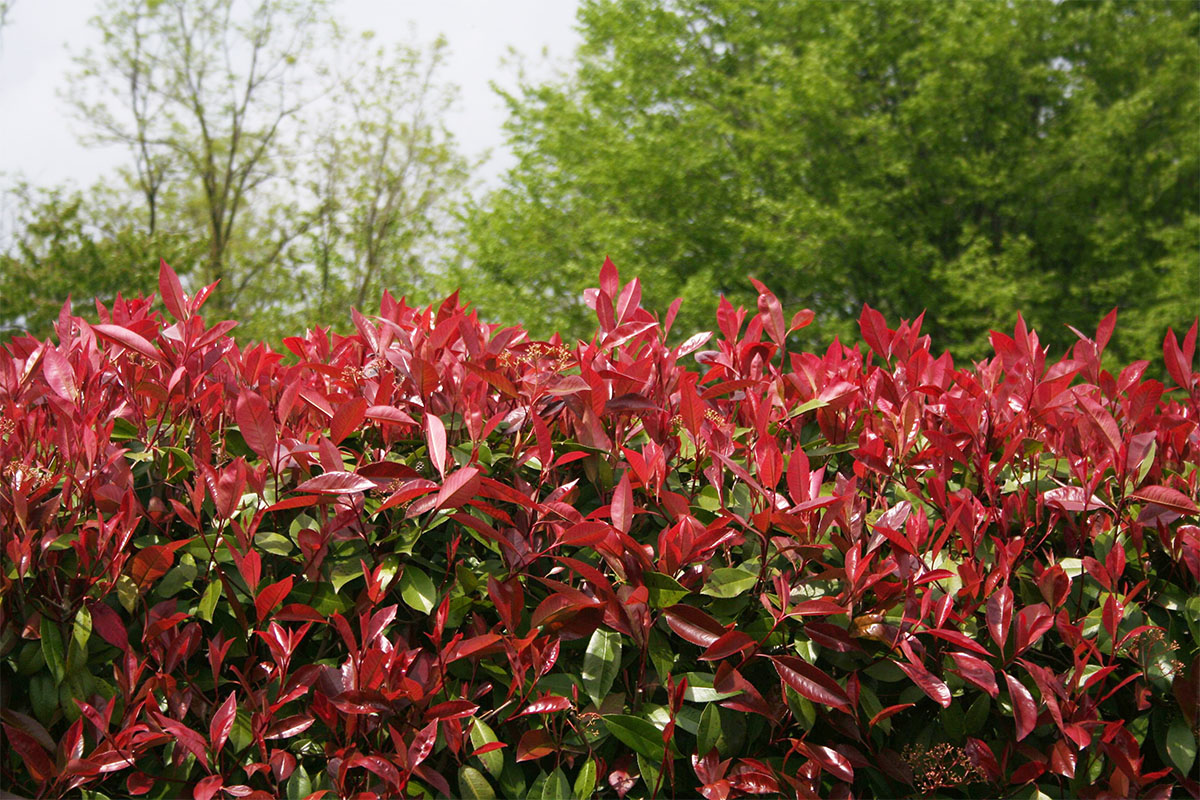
(39, 137)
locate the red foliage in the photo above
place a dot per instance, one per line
(408, 557)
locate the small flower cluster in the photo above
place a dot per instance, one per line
(1152, 645)
(536, 352)
(941, 766)
(26, 477)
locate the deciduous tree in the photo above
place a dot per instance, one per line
(966, 159)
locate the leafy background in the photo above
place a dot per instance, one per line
(970, 160)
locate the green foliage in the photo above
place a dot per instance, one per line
(307, 179)
(76, 244)
(971, 159)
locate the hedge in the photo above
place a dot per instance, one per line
(435, 558)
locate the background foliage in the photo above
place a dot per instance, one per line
(966, 159)
(436, 558)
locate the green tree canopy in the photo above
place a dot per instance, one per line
(967, 159)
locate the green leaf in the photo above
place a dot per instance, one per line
(556, 787)
(274, 543)
(700, 689)
(1181, 746)
(585, 781)
(651, 774)
(720, 728)
(123, 430)
(43, 696)
(729, 582)
(662, 655)
(326, 600)
(482, 734)
(241, 735)
(299, 785)
(127, 592)
(601, 663)
(709, 732)
(208, 602)
(52, 649)
(472, 784)
(82, 630)
(417, 590)
(344, 571)
(176, 579)
(637, 733)
(664, 590)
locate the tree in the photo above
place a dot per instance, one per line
(386, 178)
(966, 159)
(202, 93)
(314, 181)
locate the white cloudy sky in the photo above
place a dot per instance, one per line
(38, 137)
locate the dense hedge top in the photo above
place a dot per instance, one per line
(435, 558)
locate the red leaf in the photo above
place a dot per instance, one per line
(222, 723)
(458, 488)
(60, 375)
(1024, 708)
(1168, 498)
(389, 414)
(610, 280)
(731, 642)
(207, 787)
(622, 505)
(33, 756)
(153, 562)
(547, 704)
(585, 534)
(875, 332)
(693, 625)
(172, 291)
(108, 624)
(930, 684)
(256, 423)
(1072, 498)
(378, 622)
(812, 683)
(999, 615)
(250, 568)
(409, 490)
(422, 744)
(801, 319)
(348, 417)
(139, 783)
(977, 671)
(127, 339)
(535, 744)
(1178, 363)
(451, 709)
(291, 726)
(190, 740)
(435, 437)
(771, 312)
(377, 765)
(816, 608)
(890, 711)
(336, 483)
(830, 760)
(271, 596)
(958, 638)
(1033, 622)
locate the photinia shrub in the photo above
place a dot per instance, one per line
(435, 558)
